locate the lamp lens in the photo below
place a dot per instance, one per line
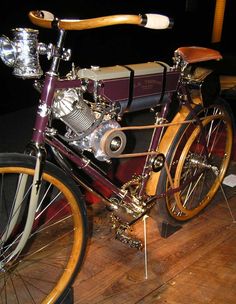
(7, 51)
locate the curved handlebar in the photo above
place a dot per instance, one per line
(47, 20)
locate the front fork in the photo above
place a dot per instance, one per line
(21, 192)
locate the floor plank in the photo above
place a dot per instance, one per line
(196, 264)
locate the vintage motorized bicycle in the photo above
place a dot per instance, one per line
(81, 134)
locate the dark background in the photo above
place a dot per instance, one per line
(118, 44)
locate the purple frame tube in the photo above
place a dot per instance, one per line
(51, 84)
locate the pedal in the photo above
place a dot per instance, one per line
(124, 238)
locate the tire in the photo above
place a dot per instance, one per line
(196, 173)
(53, 254)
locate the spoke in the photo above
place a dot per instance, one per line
(36, 232)
(46, 246)
(49, 226)
(216, 138)
(26, 287)
(189, 193)
(15, 292)
(48, 205)
(42, 200)
(6, 248)
(3, 289)
(29, 283)
(208, 135)
(4, 254)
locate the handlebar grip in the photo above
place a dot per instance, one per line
(46, 15)
(156, 21)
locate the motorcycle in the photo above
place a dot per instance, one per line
(148, 119)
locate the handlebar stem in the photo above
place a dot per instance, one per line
(57, 56)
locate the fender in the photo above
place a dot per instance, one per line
(166, 141)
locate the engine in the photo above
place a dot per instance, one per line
(89, 124)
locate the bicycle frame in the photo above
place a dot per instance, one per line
(81, 162)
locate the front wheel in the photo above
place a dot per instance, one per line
(46, 266)
(197, 161)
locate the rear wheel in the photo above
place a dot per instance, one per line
(47, 265)
(197, 162)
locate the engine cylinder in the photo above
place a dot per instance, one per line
(80, 118)
(73, 111)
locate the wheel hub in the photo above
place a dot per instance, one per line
(200, 162)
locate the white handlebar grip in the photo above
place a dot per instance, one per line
(46, 15)
(156, 21)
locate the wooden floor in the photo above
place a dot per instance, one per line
(195, 265)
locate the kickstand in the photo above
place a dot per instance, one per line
(145, 246)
